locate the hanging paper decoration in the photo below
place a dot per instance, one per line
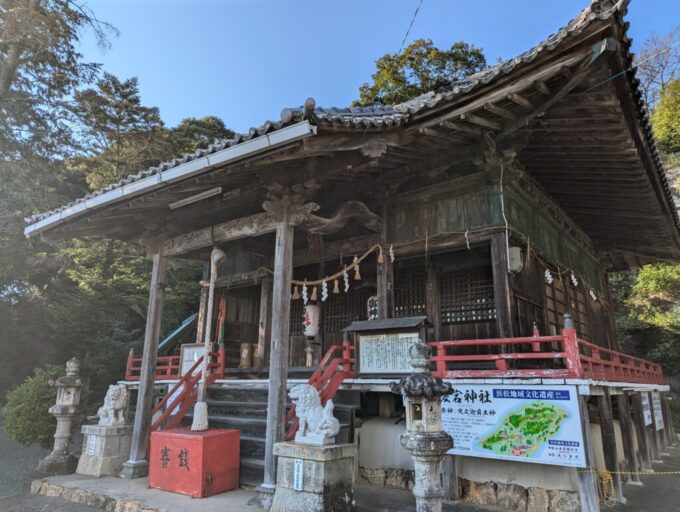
(593, 294)
(324, 291)
(336, 286)
(548, 277)
(391, 253)
(345, 276)
(305, 298)
(357, 274)
(573, 279)
(313, 297)
(296, 293)
(381, 257)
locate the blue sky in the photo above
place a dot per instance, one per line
(245, 60)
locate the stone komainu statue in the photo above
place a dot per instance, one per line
(115, 405)
(317, 423)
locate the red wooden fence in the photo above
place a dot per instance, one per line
(563, 356)
(167, 367)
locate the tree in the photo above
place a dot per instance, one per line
(420, 68)
(658, 64)
(666, 118)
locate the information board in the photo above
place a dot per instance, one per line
(658, 413)
(386, 353)
(646, 409)
(539, 424)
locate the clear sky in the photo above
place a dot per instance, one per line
(245, 60)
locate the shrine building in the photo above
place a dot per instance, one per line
(482, 217)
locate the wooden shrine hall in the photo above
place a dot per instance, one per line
(482, 216)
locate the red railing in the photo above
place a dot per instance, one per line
(326, 379)
(175, 405)
(167, 367)
(562, 356)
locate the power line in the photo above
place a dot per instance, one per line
(668, 49)
(408, 31)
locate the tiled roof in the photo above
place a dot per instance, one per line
(384, 117)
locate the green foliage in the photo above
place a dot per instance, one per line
(27, 419)
(666, 118)
(420, 68)
(655, 296)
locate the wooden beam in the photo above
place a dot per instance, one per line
(137, 465)
(542, 87)
(462, 128)
(280, 346)
(500, 111)
(432, 299)
(520, 100)
(480, 121)
(202, 308)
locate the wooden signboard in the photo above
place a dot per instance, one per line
(385, 353)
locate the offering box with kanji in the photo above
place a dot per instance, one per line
(198, 464)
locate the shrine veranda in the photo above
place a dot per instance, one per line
(482, 217)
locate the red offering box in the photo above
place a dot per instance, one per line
(195, 463)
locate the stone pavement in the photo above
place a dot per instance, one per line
(111, 493)
(659, 492)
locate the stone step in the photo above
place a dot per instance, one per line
(251, 471)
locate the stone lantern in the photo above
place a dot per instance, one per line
(424, 438)
(65, 410)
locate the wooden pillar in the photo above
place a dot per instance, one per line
(450, 471)
(628, 436)
(263, 322)
(641, 429)
(202, 308)
(432, 300)
(669, 413)
(657, 447)
(587, 480)
(138, 466)
(280, 347)
(386, 289)
(501, 285)
(668, 438)
(604, 405)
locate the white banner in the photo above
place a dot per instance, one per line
(658, 413)
(539, 424)
(646, 409)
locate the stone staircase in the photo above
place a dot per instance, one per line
(245, 409)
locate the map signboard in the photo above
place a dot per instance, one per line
(658, 413)
(646, 409)
(539, 424)
(386, 353)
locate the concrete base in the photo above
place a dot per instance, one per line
(326, 482)
(135, 469)
(57, 464)
(105, 449)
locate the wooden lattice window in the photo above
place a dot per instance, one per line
(296, 316)
(409, 292)
(556, 304)
(466, 296)
(342, 309)
(579, 311)
(528, 313)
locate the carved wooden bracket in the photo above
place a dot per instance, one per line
(350, 210)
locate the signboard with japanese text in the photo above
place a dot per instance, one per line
(646, 409)
(539, 424)
(658, 413)
(386, 353)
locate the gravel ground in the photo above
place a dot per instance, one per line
(16, 464)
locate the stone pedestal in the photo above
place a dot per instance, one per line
(314, 478)
(105, 448)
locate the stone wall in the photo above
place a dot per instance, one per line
(518, 498)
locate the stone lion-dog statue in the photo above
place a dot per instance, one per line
(115, 404)
(317, 425)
